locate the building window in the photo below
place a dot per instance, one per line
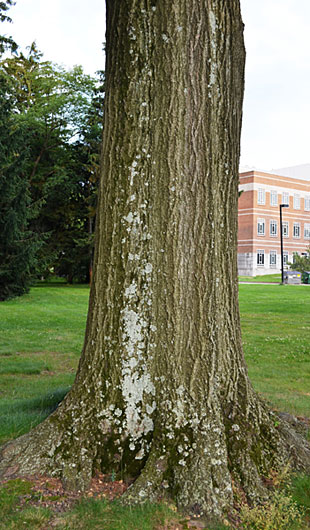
(296, 202)
(296, 230)
(273, 228)
(285, 258)
(285, 232)
(260, 258)
(307, 203)
(273, 258)
(260, 227)
(261, 196)
(273, 198)
(285, 198)
(307, 231)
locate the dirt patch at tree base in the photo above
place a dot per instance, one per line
(48, 492)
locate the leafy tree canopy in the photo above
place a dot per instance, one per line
(57, 110)
(301, 263)
(6, 43)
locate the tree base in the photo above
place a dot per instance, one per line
(199, 477)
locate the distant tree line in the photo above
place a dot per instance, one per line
(50, 135)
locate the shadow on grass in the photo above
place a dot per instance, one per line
(59, 283)
(19, 417)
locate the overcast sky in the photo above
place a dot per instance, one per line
(277, 35)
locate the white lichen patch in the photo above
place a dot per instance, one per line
(129, 218)
(148, 268)
(133, 328)
(131, 290)
(213, 43)
(212, 20)
(137, 386)
(135, 346)
(132, 257)
(132, 34)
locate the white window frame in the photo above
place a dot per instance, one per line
(296, 201)
(285, 258)
(307, 203)
(273, 232)
(285, 197)
(261, 196)
(307, 230)
(296, 230)
(260, 227)
(260, 258)
(273, 198)
(273, 262)
(285, 229)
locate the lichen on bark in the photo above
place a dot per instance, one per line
(162, 392)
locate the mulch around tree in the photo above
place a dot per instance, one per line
(49, 492)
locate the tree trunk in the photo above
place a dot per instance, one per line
(162, 391)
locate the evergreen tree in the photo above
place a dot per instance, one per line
(18, 245)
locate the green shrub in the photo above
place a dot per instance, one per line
(281, 512)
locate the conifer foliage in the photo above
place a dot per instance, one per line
(18, 245)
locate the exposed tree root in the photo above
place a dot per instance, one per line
(197, 476)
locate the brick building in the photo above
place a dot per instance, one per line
(259, 249)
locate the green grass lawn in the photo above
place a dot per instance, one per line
(269, 278)
(276, 335)
(41, 340)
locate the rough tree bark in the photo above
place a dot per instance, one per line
(162, 392)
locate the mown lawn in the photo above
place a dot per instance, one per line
(41, 340)
(269, 278)
(275, 322)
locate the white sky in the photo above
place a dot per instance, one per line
(277, 34)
